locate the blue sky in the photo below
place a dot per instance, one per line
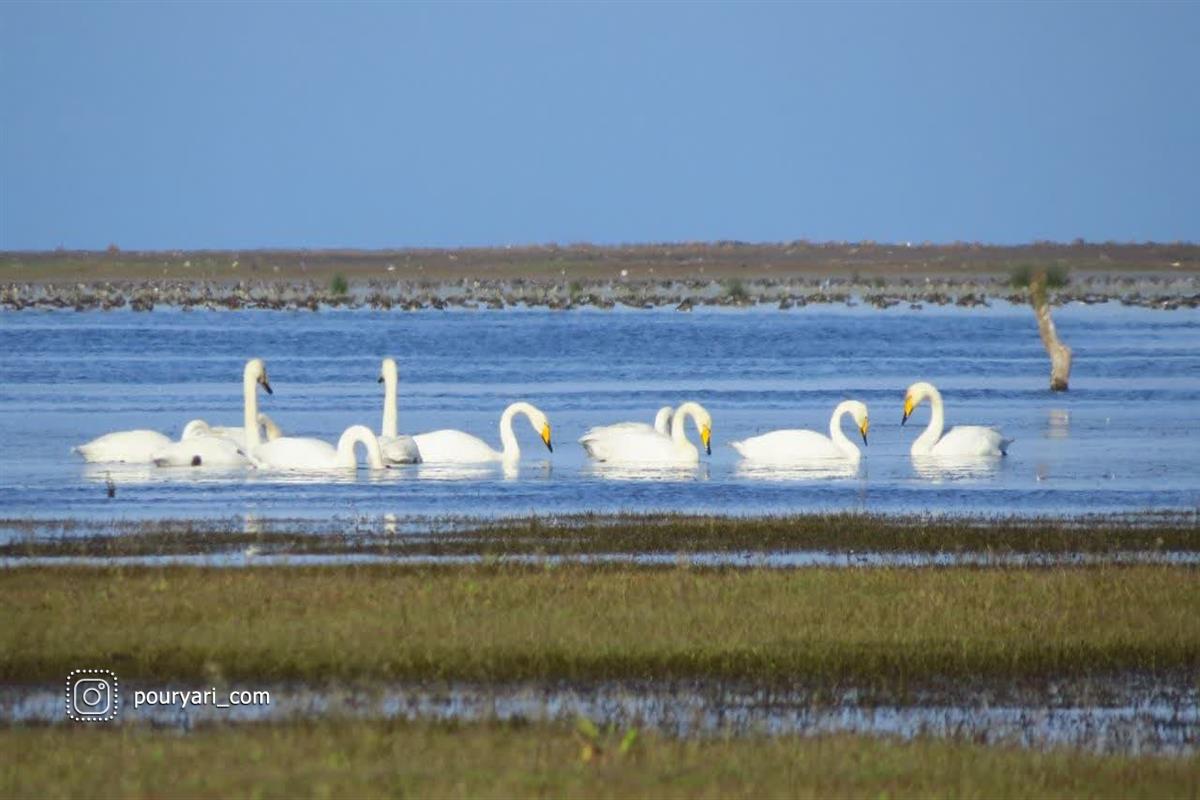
(381, 125)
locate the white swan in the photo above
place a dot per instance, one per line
(450, 446)
(296, 452)
(203, 445)
(646, 446)
(201, 451)
(792, 446)
(662, 424)
(301, 453)
(397, 449)
(129, 447)
(961, 440)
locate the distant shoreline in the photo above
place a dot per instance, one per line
(722, 273)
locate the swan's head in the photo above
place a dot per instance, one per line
(858, 411)
(388, 372)
(256, 370)
(916, 394)
(196, 427)
(541, 424)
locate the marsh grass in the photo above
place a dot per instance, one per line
(884, 628)
(1022, 275)
(636, 534)
(338, 285)
(516, 760)
(735, 290)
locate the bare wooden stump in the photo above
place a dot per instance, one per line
(1060, 354)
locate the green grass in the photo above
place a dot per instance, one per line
(338, 285)
(735, 290)
(885, 628)
(1057, 276)
(589, 535)
(432, 760)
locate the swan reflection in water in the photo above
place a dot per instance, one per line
(633, 471)
(133, 474)
(816, 470)
(509, 470)
(939, 469)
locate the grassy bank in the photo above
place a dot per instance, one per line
(594, 535)
(357, 759)
(676, 261)
(883, 628)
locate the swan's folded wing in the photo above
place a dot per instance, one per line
(972, 440)
(616, 429)
(132, 447)
(632, 446)
(787, 446)
(451, 446)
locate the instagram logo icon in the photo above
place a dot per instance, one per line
(92, 695)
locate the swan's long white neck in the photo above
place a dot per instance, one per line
(662, 420)
(937, 422)
(389, 405)
(250, 409)
(510, 449)
(679, 422)
(835, 431)
(353, 436)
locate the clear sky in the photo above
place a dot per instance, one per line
(228, 125)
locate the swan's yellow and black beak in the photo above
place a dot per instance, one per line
(546, 437)
(866, 426)
(265, 384)
(380, 379)
(908, 409)
(706, 437)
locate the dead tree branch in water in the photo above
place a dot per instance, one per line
(1060, 354)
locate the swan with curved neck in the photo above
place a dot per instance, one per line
(792, 446)
(662, 424)
(397, 449)
(647, 446)
(295, 452)
(961, 440)
(458, 447)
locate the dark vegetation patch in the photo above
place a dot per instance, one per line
(620, 534)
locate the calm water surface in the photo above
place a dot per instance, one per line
(1126, 437)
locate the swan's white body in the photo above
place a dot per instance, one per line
(203, 445)
(961, 440)
(662, 424)
(632, 445)
(301, 453)
(201, 451)
(457, 447)
(129, 447)
(793, 446)
(397, 448)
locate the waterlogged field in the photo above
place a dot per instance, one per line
(1124, 439)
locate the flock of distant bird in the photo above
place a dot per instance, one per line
(259, 442)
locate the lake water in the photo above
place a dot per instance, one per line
(1126, 438)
